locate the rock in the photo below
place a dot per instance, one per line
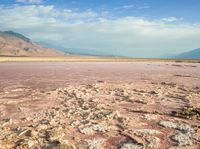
(196, 137)
(182, 139)
(95, 143)
(21, 142)
(66, 146)
(131, 145)
(101, 115)
(7, 121)
(182, 127)
(42, 127)
(57, 135)
(150, 116)
(153, 142)
(26, 133)
(182, 147)
(188, 113)
(185, 128)
(100, 81)
(153, 92)
(168, 124)
(87, 130)
(31, 143)
(140, 101)
(91, 129)
(75, 123)
(44, 122)
(6, 144)
(146, 131)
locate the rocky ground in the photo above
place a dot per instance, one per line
(134, 114)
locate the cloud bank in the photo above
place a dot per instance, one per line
(128, 36)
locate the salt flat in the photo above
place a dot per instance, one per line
(99, 104)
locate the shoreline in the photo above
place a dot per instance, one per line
(92, 59)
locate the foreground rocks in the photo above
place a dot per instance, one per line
(100, 115)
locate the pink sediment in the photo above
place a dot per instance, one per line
(116, 105)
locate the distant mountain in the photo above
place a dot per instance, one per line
(15, 44)
(78, 51)
(193, 54)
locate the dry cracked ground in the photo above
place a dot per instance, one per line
(100, 105)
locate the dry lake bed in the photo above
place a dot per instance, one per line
(97, 105)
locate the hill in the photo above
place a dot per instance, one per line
(193, 54)
(15, 44)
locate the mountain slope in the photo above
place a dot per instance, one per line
(15, 44)
(194, 54)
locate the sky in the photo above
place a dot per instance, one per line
(135, 28)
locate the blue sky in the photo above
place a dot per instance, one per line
(188, 9)
(147, 8)
(138, 28)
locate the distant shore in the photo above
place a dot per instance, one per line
(90, 59)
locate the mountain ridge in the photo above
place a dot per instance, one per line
(192, 54)
(11, 33)
(15, 44)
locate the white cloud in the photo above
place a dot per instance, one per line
(30, 1)
(172, 19)
(89, 30)
(144, 7)
(127, 6)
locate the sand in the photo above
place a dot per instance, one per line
(99, 105)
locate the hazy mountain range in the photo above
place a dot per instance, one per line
(16, 44)
(193, 54)
(78, 51)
